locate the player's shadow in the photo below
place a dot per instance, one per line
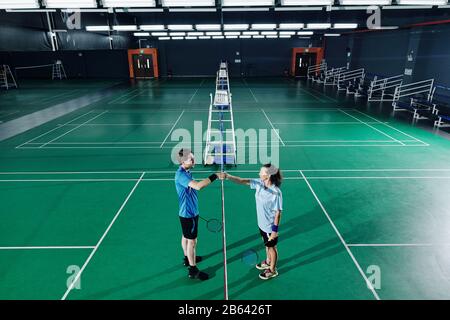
(250, 280)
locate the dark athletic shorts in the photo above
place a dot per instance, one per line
(271, 243)
(189, 227)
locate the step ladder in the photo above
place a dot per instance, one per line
(220, 137)
(7, 80)
(58, 71)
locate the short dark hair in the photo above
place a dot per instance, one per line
(276, 178)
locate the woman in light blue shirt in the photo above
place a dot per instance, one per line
(269, 204)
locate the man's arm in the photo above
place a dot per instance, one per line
(199, 185)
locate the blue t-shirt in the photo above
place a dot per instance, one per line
(187, 197)
(268, 202)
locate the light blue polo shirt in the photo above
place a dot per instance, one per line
(187, 197)
(268, 202)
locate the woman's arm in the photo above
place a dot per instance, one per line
(276, 223)
(237, 180)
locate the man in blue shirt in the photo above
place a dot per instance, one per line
(187, 189)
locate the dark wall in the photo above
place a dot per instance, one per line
(259, 57)
(385, 53)
(78, 64)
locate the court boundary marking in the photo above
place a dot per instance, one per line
(368, 283)
(77, 277)
(372, 127)
(73, 129)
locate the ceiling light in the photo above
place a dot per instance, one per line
(19, 4)
(205, 27)
(422, 2)
(365, 2)
(319, 25)
(265, 26)
(180, 27)
(159, 34)
(128, 3)
(65, 4)
(307, 2)
(247, 3)
(235, 26)
(97, 28)
(153, 27)
(345, 25)
(191, 3)
(125, 28)
(291, 26)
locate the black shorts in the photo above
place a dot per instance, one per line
(189, 227)
(271, 243)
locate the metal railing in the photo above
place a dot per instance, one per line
(332, 75)
(351, 75)
(412, 89)
(316, 70)
(383, 89)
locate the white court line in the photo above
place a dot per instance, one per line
(190, 100)
(120, 124)
(131, 97)
(256, 100)
(62, 135)
(196, 171)
(122, 96)
(316, 97)
(201, 143)
(372, 127)
(399, 245)
(172, 179)
(179, 117)
(46, 248)
(387, 125)
(54, 129)
(320, 123)
(332, 99)
(252, 146)
(101, 239)
(343, 141)
(86, 180)
(276, 131)
(48, 99)
(140, 92)
(368, 283)
(311, 88)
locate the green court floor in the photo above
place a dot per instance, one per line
(365, 198)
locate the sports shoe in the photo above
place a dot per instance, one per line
(267, 274)
(186, 260)
(263, 265)
(194, 273)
